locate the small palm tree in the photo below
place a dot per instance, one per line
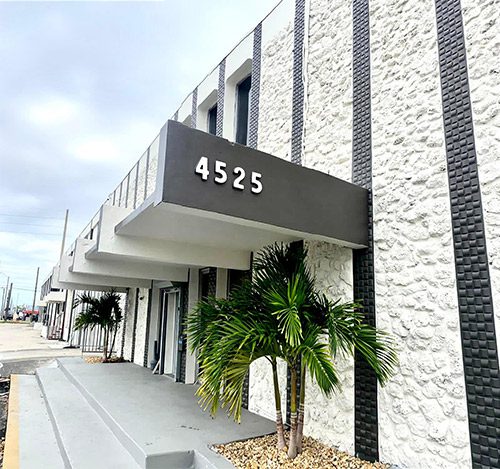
(280, 315)
(103, 311)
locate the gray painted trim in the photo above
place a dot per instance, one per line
(175, 117)
(253, 121)
(475, 304)
(298, 82)
(365, 382)
(194, 108)
(220, 98)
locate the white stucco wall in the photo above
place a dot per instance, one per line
(422, 411)
(482, 40)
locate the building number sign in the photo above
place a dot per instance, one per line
(221, 175)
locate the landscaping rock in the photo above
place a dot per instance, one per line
(259, 453)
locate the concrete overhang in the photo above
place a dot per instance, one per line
(145, 248)
(55, 297)
(125, 268)
(76, 281)
(215, 194)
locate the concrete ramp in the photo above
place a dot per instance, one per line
(105, 416)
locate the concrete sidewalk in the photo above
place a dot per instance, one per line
(149, 420)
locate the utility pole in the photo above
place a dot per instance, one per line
(34, 294)
(4, 299)
(64, 233)
(7, 303)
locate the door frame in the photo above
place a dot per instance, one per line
(162, 333)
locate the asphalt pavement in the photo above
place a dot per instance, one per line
(22, 349)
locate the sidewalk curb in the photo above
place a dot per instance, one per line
(11, 452)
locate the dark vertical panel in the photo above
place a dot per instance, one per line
(236, 278)
(183, 306)
(148, 326)
(122, 346)
(298, 82)
(220, 97)
(134, 329)
(475, 305)
(242, 110)
(253, 123)
(212, 120)
(365, 382)
(194, 108)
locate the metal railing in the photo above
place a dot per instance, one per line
(133, 190)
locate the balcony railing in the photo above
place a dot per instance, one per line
(133, 190)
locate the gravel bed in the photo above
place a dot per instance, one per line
(98, 359)
(259, 453)
(4, 400)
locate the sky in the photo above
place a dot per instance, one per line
(84, 88)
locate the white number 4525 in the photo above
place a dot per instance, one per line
(221, 175)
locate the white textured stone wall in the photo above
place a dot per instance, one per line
(274, 137)
(328, 117)
(328, 148)
(128, 311)
(275, 110)
(422, 411)
(261, 391)
(482, 40)
(140, 333)
(331, 420)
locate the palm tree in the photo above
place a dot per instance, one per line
(103, 311)
(280, 315)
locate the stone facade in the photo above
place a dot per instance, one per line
(261, 393)
(328, 116)
(275, 113)
(482, 26)
(332, 420)
(422, 411)
(129, 312)
(274, 137)
(140, 332)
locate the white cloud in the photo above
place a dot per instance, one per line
(52, 112)
(99, 149)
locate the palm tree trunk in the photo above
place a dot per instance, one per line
(300, 424)
(292, 444)
(277, 398)
(115, 330)
(105, 346)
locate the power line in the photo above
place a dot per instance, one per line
(25, 224)
(30, 216)
(31, 233)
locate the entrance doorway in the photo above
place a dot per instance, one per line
(168, 332)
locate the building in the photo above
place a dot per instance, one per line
(370, 131)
